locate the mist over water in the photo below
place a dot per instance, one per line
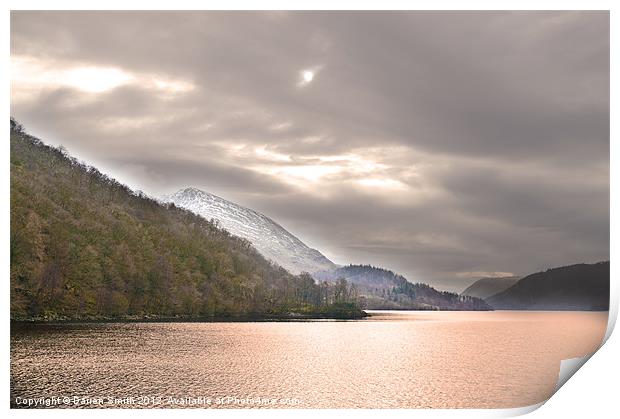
(498, 359)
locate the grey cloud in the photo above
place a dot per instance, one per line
(503, 116)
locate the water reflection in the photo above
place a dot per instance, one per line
(393, 359)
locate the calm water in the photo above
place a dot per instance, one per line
(394, 359)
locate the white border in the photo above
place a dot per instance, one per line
(591, 393)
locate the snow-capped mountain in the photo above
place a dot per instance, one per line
(267, 236)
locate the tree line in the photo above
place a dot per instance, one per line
(84, 245)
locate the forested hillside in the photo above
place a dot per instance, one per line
(383, 289)
(85, 246)
(576, 287)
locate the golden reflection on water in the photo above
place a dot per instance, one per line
(495, 359)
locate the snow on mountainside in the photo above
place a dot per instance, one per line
(267, 236)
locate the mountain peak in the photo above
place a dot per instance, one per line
(268, 237)
(486, 287)
(191, 191)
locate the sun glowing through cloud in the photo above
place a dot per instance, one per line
(359, 142)
(307, 76)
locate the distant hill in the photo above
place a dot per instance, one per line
(84, 246)
(486, 287)
(576, 287)
(273, 241)
(381, 289)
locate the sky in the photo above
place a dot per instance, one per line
(446, 146)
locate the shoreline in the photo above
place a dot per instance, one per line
(247, 318)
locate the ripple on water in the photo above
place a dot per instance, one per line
(394, 359)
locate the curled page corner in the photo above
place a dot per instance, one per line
(518, 411)
(568, 367)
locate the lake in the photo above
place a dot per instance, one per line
(497, 359)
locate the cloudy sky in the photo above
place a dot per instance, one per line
(444, 146)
